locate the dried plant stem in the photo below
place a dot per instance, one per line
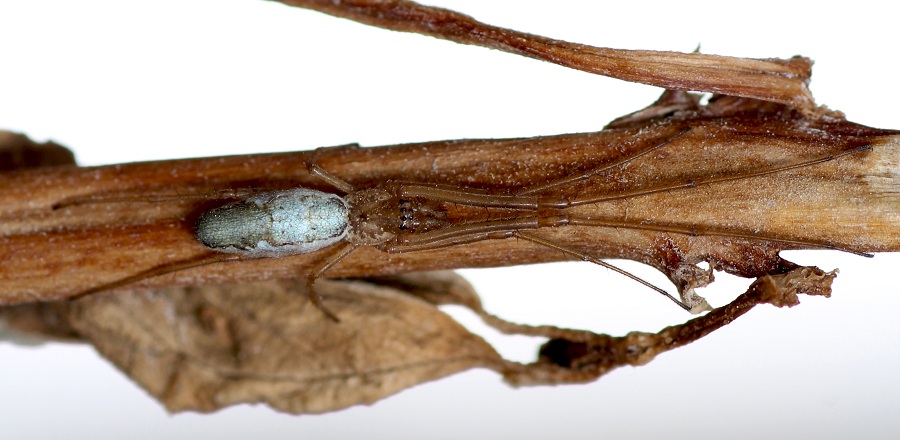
(736, 224)
(782, 81)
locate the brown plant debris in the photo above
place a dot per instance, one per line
(17, 152)
(777, 80)
(575, 356)
(206, 348)
(569, 359)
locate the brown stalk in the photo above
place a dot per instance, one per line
(777, 80)
(736, 225)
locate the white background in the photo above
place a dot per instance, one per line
(123, 80)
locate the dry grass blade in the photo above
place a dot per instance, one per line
(783, 81)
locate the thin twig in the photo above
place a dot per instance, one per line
(777, 80)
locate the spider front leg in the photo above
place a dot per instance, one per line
(317, 171)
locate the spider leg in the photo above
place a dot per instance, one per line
(337, 254)
(590, 258)
(695, 231)
(317, 171)
(163, 269)
(717, 179)
(584, 175)
(153, 198)
(502, 229)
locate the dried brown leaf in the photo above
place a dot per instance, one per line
(48, 320)
(439, 287)
(205, 348)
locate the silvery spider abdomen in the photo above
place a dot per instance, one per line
(276, 223)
